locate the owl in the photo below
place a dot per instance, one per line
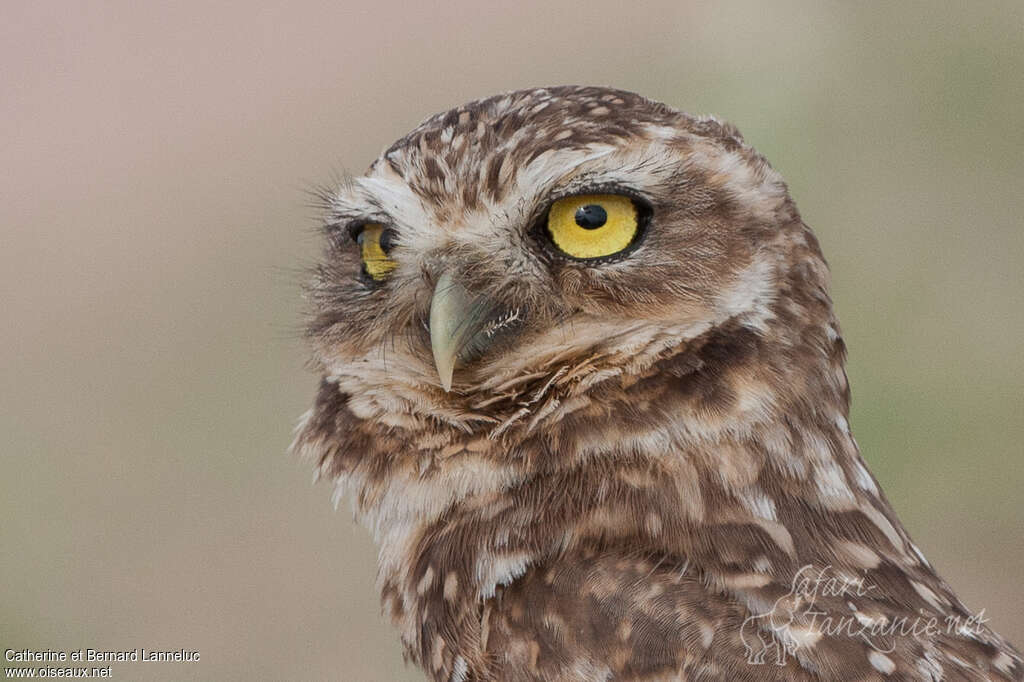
(583, 381)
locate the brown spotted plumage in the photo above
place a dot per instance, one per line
(643, 468)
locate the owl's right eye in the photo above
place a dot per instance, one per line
(375, 242)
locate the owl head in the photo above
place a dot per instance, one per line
(541, 243)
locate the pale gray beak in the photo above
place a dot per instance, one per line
(463, 325)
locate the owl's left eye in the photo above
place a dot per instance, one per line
(593, 226)
(375, 242)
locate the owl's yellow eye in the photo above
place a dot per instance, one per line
(375, 242)
(593, 225)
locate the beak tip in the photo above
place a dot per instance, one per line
(444, 373)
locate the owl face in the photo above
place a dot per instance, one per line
(513, 239)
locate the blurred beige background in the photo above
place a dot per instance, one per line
(155, 228)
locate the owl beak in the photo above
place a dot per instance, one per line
(450, 311)
(462, 325)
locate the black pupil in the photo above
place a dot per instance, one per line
(387, 240)
(591, 216)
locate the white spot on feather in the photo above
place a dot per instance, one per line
(881, 662)
(494, 571)
(883, 525)
(1004, 662)
(928, 595)
(750, 294)
(707, 635)
(760, 505)
(832, 487)
(864, 479)
(460, 670)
